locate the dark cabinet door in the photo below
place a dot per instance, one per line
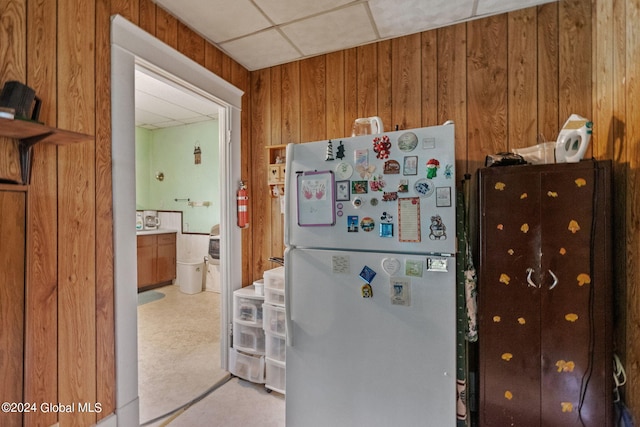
(509, 304)
(575, 296)
(544, 298)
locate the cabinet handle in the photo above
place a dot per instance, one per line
(529, 280)
(555, 280)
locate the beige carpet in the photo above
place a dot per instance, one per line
(178, 350)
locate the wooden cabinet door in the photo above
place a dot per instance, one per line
(166, 263)
(544, 296)
(509, 306)
(12, 283)
(147, 260)
(575, 304)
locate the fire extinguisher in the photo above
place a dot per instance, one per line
(243, 206)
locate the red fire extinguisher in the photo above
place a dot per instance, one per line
(243, 206)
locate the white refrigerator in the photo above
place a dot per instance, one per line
(370, 230)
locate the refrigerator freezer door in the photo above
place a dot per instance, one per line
(400, 198)
(358, 361)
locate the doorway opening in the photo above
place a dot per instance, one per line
(178, 322)
(133, 47)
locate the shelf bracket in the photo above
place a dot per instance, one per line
(25, 147)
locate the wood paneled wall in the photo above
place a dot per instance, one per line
(504, 80)
(62, 50)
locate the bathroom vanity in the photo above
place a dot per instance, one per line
(156, 258)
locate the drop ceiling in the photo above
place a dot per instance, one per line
(262, 33)
(161, 103)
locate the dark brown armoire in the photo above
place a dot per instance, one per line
(545, 295)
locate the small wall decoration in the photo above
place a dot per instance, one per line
(197, 153)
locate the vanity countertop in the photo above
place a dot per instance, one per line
(157, 231)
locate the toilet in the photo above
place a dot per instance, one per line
(189, 275)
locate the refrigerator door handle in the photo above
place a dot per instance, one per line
(287, 297)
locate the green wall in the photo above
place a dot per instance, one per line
(170, 151)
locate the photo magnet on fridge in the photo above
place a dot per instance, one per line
(367, 274)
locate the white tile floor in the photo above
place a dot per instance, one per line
(179, 359)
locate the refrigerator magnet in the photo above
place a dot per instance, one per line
(352, 223)
(409, 219)
(316, 199)
(344, 170)
(443, 197)
(366, 291)
(367, 274)
(367, 224)
(400, 291)
(386, 230)
(343, 192)
(413, 267)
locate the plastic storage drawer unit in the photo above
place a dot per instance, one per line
(275, 377)
(274, 320)
(248, 338)
(246, 366)
(276, 347)
(274, 278)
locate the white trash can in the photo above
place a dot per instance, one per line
(189, 275)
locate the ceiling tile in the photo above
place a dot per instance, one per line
(394, 19)
(218, 20)
(282, 11)
(261, 50)
(332, 31)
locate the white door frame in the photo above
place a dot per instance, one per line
(130, 45)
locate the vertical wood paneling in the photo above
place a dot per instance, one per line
(406, 107)
(12, 277)
(147, 16)
(213, 59)
(41, 334)
(312, 98)
(76, 212)
(127, 8)
(105, 297)
(385, 87)
(452, 88)
(190, 44)
(166, 27)
(291, 102)
(566, 32)
(632, 158)
(350, 89)
(575, 59)
(487, 84)
(12, 67)
(367, 81)
(260, 197)
(429, 82)
(334, 114)
(522, 73)
(548, 58)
